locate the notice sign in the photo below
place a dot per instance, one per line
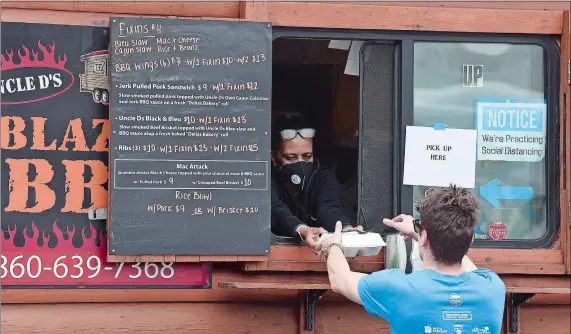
(511, 130)
(435, 156)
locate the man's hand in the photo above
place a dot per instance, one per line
(310, 235)
(323, 246)
(403, 224)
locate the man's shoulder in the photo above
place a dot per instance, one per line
(486, 273)
(399, 275)
(488, 277)
(480, 277)
(382, 284)
(386, 276)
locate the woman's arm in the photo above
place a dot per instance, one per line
(326, 201)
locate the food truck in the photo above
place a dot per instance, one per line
(135, 155)
(95, 79)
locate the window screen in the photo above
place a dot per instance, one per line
(376, 134)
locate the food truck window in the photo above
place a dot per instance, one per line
(309, 77)
(345, 89)
(504, 92)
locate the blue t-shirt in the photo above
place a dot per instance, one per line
(429, 302)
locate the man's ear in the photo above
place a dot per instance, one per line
(423, 241)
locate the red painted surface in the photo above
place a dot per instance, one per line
(36, 264)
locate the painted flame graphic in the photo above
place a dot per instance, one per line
(40, 238)
(31, 58)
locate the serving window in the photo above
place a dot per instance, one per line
(346, 90)
(308, 77)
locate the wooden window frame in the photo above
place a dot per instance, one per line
(554, 261)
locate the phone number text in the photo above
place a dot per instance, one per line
(78, 267)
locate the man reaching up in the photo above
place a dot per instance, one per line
(450, 295)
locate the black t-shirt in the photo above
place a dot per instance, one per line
(319, 204)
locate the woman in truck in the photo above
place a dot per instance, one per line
(306, 197)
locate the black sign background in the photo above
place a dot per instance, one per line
(55, 138)
(58, 111)
(216, 121)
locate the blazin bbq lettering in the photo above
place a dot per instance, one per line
(20, 170)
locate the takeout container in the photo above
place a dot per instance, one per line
(359, 244)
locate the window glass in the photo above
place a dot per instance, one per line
(497, 89)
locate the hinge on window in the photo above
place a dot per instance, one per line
(569, 71)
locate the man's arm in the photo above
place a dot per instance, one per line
(378, 292)
(341, 278)
(326, 201)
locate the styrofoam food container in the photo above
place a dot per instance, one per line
(357, 244)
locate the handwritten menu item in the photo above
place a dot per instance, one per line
(190, 137)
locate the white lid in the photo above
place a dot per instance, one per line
(358, 240)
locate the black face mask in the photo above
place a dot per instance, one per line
(296, 174)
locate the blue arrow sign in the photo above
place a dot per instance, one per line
(492, 192)
(478, 229)
(439, 126)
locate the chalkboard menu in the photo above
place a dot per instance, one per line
(190, 137)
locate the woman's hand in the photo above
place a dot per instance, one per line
(310, 235)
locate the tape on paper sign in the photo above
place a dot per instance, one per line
(497, 230)
(511, 129)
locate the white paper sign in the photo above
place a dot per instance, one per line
(511, 130)
(352, 66)
(440, 157)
